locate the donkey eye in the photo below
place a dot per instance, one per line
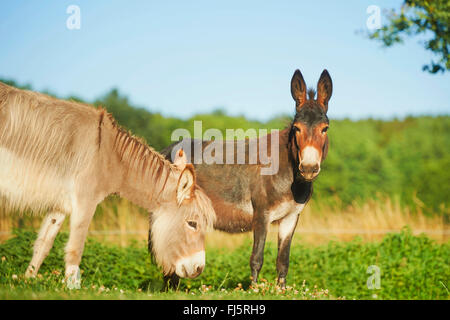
(324, 129)
(192, 224)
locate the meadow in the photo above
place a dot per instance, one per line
(331, 252)
(382, 199)
(411, 267)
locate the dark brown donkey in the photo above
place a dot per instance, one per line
(245, 200)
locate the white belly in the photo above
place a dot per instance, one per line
(28, 185)
(277, 213)
(284, 209)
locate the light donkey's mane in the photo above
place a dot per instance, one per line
(146, 163)
(140, 157)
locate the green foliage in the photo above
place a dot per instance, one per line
(412, 267)
(155, 128)
(13, 83)
(421, 17)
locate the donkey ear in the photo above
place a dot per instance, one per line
(180, 160)
(298, 89)
(324, 89)
(186, 184)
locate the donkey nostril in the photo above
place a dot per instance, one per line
(309, 169)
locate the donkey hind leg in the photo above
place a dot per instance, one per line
(286, 230)
(79, 224)
(259, 240)
(49, 229)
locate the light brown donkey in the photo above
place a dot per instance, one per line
(62, 158)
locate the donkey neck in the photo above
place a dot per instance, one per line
(145, 177)
(146, 190)
(300, 189)
(287, 163)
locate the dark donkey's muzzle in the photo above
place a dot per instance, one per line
(309, 165)
(309, 172)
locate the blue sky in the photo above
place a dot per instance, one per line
(186, 57)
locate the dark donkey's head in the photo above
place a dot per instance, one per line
(308, 140)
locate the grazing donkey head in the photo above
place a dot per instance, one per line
(178, 225)
(308, 140)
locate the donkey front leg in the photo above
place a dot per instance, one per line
(286, 230)
(171, 282)
(49, 229)
(79, 224)
(260, 227)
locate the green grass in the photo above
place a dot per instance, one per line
(412, 267)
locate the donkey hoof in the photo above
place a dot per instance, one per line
(73, 284)
(73, 277)
(281, 283)
(30, 272)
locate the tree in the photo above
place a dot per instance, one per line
(13, 83)
(427, 17)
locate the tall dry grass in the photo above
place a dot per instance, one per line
(370, 221)
(118, 221)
